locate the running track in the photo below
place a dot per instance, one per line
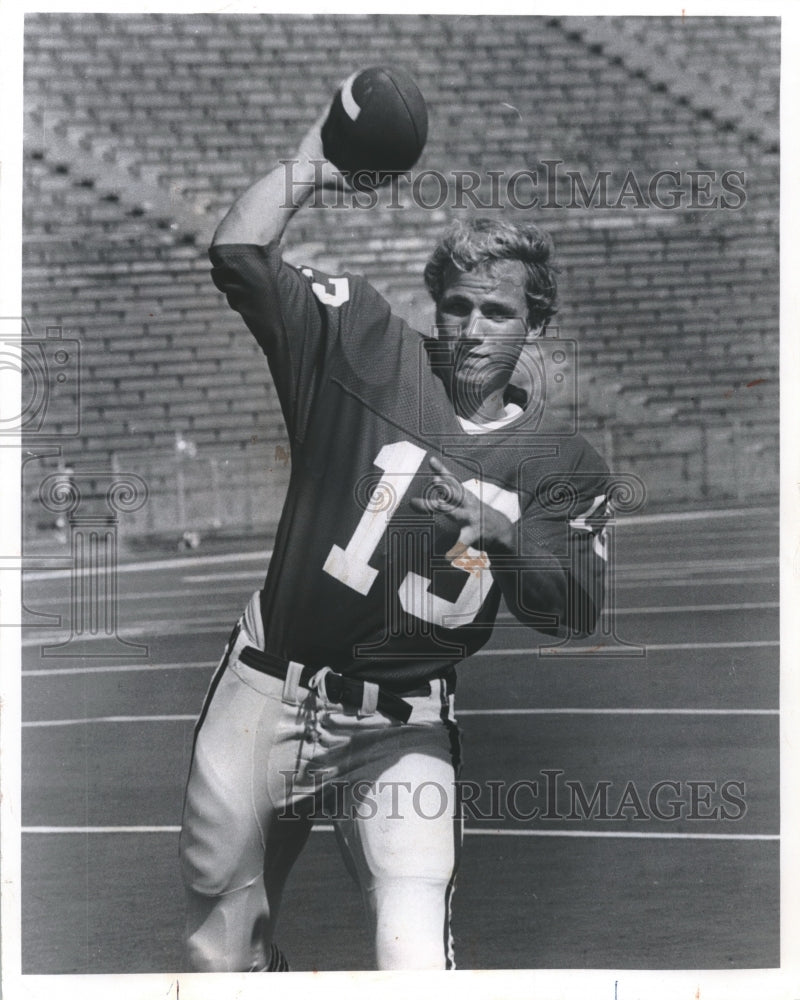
(106, 744)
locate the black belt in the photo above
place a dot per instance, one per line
(340, 689)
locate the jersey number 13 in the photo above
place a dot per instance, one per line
(400, 462)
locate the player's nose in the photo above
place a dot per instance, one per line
(473, 327)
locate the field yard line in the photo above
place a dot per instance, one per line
(474, 831)
(46, 723)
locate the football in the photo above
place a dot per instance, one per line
(376, 127)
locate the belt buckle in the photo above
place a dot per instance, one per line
(334, 687)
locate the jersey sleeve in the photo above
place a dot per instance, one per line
(567, 517)
(305, 320)
(276, 302)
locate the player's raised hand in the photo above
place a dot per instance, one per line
(310, 151)
(481, 526)
(310, 146)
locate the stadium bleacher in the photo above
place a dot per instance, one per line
(140, 130)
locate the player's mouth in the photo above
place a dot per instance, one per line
(472, 363)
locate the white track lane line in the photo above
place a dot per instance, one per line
(663, 567)
(671, 609)
(117, 669)
(654, 609)
(155, 564)
(144, 595)
(114, 719)
(216, 577)
(143, 630)
(189, 563)
(638, 570)
(196, 562)
(626, 834)
(572, 651)
(100, 829)
(474, 831)
(750, 580)
(201, 626)
(616, 711)
(527, 651)
(696, 515)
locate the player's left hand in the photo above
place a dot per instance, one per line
(481, 526)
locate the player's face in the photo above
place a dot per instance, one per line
(482, 316)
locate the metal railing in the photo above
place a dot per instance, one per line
(193, 493)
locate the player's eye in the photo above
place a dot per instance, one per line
(497, 314)
(455, 307)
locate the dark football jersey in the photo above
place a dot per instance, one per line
(358, 580)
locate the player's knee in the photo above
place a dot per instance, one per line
(212, 871)
(215, 882)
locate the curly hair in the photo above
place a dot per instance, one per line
(467, 245)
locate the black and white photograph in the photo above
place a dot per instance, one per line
(392, 570)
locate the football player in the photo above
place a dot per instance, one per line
(419, 495)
